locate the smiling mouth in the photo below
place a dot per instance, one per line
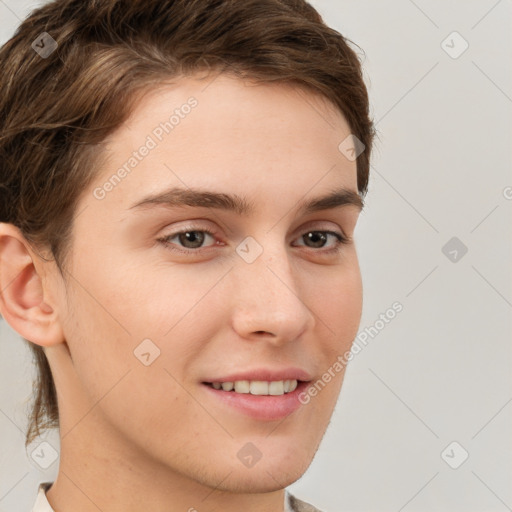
(257, 387)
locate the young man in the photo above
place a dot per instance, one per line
(180, 183)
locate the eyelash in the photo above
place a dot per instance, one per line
(341, 240)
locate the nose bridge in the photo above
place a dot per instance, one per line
(268, 296)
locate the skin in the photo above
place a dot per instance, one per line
(136, 437)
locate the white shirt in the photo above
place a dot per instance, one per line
(42, 505)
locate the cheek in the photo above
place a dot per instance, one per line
(99, 346)
(99, 326)
(117, 308)
(102, 340)
(338, 305)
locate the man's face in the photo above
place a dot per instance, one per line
(266, 291)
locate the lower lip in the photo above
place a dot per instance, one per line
(261, 407)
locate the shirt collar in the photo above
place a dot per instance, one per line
(41, 504)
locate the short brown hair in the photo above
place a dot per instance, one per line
(56, 109)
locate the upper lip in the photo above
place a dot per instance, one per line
(265, 374)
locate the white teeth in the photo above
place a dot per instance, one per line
(242, 386)
(227, 386)
(258, 387)
(276, 388)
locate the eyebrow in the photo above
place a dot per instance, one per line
(180, 197)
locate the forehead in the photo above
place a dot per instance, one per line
(227, 133)
(234, 111)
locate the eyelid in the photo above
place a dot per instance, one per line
(313, 225)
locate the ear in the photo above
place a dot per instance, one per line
(24, 303)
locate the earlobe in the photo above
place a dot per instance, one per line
(22, 294)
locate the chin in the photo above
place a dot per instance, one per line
(268, 478)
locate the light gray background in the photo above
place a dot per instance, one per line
(441, 370)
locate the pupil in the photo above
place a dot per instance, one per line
(186, 238)
(314, 234)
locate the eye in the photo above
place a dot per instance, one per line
(320, 237)
(192, 239)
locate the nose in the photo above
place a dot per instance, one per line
(268, 299)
